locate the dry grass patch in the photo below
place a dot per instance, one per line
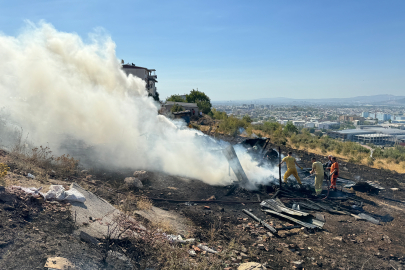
(143, 203)
(3, 172)
(165, 226)
(360, 159)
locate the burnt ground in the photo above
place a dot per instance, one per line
(344, 242)
(32, 230)
(28, 237)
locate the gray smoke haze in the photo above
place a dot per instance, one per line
(55, 86)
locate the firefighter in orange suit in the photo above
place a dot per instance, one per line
(334, 173)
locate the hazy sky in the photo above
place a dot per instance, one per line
(243, 49)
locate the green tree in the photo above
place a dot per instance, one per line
(290, 128)
(204, 106)
(175, 98)
(218, 115)
(202, 100)
(247, 118)
(176, 108)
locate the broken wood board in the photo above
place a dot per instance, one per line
(278, 206)
(327, 208)
(314, 225)
(265, 224)
(363, 216)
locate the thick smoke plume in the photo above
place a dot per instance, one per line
(59, 88)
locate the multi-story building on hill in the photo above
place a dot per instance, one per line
(148, 75)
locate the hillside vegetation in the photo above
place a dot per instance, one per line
(392, 158)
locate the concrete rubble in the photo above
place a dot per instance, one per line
(95, 216)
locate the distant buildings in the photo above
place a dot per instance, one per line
(371, 134)
(365, 114)
(347, 118)
(148, 75)
(327, 125)
(383, 116)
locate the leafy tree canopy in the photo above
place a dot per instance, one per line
(204, 106)
(196, 96)
(290, 128)
(200, 98)
(175, 98)
(247, 118)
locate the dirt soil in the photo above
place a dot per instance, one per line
(32, 231)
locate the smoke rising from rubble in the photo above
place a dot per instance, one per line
(55, 86)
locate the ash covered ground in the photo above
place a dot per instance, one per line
(33, 230)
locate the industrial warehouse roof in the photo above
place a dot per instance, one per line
(391, 131)
(374, 135)
(355, 131)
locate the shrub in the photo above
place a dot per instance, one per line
(3, 172)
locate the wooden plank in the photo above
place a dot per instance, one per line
(305, 224)
(265, 224)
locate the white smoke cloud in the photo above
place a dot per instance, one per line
(55, 86)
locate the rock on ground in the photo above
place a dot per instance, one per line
(133, 182)
(141, 175)
(251, 266)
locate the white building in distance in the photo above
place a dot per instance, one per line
(148, 75)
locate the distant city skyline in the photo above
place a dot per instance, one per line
(238, 50)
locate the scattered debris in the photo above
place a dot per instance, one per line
(320, 217)
(31, 190)
(205, 248)
(57, 192)
(278, 206)
(366, 217)
(364, 186)
(178, 239)
(260, 221)
(31, 176)
(302, 223)
(192, 253)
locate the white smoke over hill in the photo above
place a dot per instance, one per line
(55, 86)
